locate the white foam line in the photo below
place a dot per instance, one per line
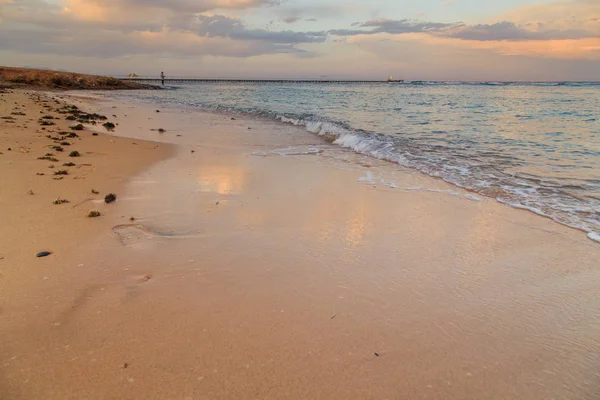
(368, 178)
(594, 236)
(471, 197)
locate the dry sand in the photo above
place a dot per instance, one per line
(255, 271)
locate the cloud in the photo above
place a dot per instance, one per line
(565, 30)
(500, 31)
(87, 28)
(394, 27)
(188, 32)
(290, 19)
(115, 44)
(509, 31)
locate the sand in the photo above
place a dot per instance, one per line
(267, 265)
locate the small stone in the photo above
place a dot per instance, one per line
(94, 214)
(109, 198)
(377, 354)
(43, 254)
(131, 219)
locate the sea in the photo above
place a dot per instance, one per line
(534, 146)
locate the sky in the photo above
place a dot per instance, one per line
(471, 40)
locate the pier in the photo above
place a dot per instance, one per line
(179, 80)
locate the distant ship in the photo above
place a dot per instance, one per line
(392, 80)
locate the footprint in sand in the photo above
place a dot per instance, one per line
(138, 235)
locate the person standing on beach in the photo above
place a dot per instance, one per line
(162, 77)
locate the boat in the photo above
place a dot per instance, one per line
(392, 80)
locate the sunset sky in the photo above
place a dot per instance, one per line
(410, 39)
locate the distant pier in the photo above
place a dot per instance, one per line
(215, 80)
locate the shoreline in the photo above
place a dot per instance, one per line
(330, 138)
(256, 267)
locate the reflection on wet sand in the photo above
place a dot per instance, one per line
(222, 179)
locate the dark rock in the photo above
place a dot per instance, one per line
(109, 198)
(43, 254)
(74, 154)
(94, 214)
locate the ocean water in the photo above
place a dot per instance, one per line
(530, 145)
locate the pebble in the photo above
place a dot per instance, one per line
(43, 254)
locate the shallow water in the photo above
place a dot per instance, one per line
(532, 146)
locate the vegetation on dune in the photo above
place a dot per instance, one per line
(63, 80)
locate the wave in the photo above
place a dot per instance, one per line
(541, 196)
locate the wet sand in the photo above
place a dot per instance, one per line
(267, 265)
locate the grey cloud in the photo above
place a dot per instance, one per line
(49, 31)
(501, 31)
(395, 27)
(290, 19)
(311, 20)
(509, 31)
(113, 44)
(222, 26)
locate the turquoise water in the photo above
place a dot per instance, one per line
(532, 146)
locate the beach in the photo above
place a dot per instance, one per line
(243, 262)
